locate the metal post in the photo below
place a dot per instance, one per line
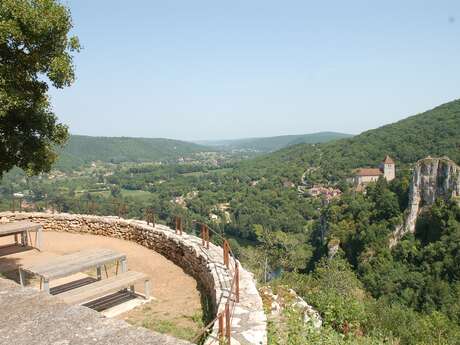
(228, 330)
(226, 252)
(221, 327)
(237, 282)
(179, 225)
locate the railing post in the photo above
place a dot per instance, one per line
(150, 217)
(13, 208)
(20, 205)
(221, 327)
(228, 329)
(179, 227)
(202, 233)
(237, 282)
(226, 253)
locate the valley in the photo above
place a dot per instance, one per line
(294, 212)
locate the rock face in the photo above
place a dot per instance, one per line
(432, 178)
(248, 325)
(287, 298)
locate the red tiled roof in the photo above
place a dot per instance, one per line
(388, 160)
(368, 172)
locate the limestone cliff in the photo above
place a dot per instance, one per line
(432, 178)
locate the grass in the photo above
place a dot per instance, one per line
(185, 327)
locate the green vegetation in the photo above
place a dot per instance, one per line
(34, 48)
(81, 150)
(270, 144)
(367, 293)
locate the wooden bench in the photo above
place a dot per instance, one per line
(104, 287)
(22, 228)
(69, 264)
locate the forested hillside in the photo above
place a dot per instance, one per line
(82, 149)
(434, 132)
(270, 144)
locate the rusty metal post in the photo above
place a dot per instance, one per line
(221, 331)
(179, 227)
(237, 282)
(228, 326)
(226, 253)
(203, 236)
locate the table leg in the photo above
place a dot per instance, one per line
(22, 277)
(46, 285)
(24, 238)
(39, 238)
(147, 289)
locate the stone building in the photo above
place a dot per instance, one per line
(387, 169)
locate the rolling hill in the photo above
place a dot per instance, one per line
(435, 132)
(270, 144)
(82, 149)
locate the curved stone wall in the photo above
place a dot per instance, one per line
(205, 265)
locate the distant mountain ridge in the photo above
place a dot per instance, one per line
(81, 149)
(270, 144)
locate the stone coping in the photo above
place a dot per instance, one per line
(205, 265)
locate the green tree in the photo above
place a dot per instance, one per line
(35, 46)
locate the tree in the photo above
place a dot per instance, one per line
(35, 46)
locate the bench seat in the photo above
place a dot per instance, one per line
(104, 287)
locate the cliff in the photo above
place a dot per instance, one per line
(432, 178)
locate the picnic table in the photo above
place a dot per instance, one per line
(23, 228)
(69, 264)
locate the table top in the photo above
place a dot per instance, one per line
(73, 263)
(17, 227)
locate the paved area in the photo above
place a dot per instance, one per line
(29, 317)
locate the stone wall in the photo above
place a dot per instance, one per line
(205, 265)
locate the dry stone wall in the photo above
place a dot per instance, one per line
(205, 265)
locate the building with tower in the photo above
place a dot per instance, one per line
(364, 176)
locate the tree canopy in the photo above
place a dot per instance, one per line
(35, 51)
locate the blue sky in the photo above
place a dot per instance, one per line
(230, 69)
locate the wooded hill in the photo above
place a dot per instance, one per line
(82, 149)
(435, 132)
(270, 144)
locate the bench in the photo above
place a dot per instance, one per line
(69, 264)
(104, 287)
(22, 228)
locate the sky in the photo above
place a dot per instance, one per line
(198, 69)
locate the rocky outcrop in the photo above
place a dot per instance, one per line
(432, 178)
(205, 265)
(287, 298)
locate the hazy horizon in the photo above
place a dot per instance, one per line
(221, 71)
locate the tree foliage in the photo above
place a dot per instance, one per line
(35, 49)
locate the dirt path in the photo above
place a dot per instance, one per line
(176, 306)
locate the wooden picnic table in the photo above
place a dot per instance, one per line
(69, 264)
(23, 228)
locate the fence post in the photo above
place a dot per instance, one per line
(228, 330)
(226, 252)
(20, 205)
(221, 327)
(237, 282)
(179, 226)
